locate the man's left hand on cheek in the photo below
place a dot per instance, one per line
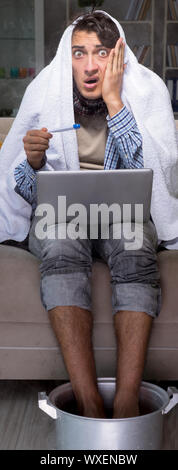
(113, 78)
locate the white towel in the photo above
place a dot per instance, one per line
(48, 102)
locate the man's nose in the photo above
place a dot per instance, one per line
(91, 64)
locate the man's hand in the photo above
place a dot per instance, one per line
(36, 142)
(112, 83)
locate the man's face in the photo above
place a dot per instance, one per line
(89, 60)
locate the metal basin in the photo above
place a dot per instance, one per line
(77, 432)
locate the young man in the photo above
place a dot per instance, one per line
(109, 138)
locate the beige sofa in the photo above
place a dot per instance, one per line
(28, 347)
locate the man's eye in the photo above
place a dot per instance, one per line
(78, 54)
(103, 53)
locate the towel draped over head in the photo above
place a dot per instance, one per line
(48, 102)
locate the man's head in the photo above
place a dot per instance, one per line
(94, 35)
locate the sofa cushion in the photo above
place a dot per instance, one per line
(5, 125)
(20, 287)
(28, 346)
(168, 265)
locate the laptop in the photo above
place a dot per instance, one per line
(74, 192)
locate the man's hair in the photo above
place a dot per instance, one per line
(100, 24)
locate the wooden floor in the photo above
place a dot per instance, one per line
(23, 426)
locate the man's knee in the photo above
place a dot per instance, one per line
(65, 271)
(65, 256)
(135, 275)
(136, 265)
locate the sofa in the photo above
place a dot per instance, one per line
(28, 347)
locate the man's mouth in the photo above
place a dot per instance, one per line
(91, 82)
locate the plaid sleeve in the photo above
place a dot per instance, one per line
(124, 145)
(25, 177)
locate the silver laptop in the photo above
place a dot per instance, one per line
(129, 191)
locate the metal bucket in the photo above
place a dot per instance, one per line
(77, 432)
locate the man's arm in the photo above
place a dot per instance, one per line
(124, 144)
(25, 177)
(36, 142)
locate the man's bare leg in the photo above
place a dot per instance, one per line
(132, 333)
(73, 328)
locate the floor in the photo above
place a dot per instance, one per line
(23, 426)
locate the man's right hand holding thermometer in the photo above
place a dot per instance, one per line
(36, 142)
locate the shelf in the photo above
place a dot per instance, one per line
(17, 39)
(25, 80)
(171, 73)
(135, 21)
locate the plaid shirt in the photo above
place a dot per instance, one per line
(123, 150)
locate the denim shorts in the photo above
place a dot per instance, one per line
(66, 267)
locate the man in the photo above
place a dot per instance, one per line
(98, 69)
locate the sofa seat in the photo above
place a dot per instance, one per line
(28, 347)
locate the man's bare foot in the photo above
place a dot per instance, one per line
(126, 406)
